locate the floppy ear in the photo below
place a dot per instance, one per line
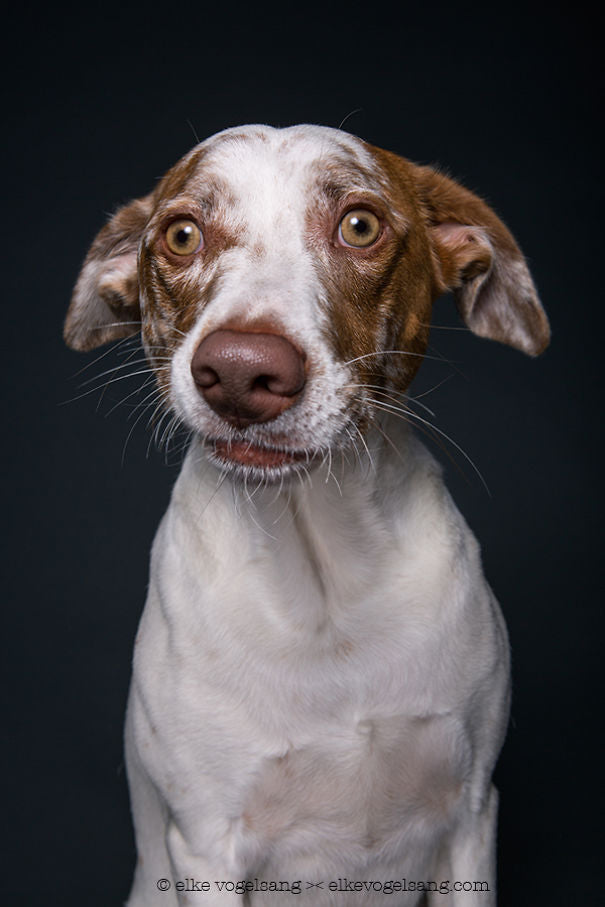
(105, 301)
(479, 260)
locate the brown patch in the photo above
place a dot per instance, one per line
(121, 294)
(248, 821)
(344, 648)
(178, 288)
(476, 256)
(379, 298)
(179, 176)
(105, 300)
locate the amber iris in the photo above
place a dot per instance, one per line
(183, 237)
(359, 228)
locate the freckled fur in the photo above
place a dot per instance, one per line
(320, 681)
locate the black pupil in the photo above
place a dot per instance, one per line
(183, 235)
(359, 225)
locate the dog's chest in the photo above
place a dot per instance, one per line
(374, 783)
(292, 680)
(335, 761)
(304, 719)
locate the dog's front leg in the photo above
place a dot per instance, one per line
(149, 813)
(168, 871)
(468, 864)
(199, 880)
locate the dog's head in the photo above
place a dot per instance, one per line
(283, 281)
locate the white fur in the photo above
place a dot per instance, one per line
(320, 686)
(320, 683)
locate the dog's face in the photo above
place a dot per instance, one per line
(283, 281)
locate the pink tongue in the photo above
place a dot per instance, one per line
(249, 455)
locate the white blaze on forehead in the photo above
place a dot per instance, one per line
(269, 181)
(273, 174)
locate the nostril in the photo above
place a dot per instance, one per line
(205, 377)
(287, 384)
(280, 385)
(248, 376)
(262, 383)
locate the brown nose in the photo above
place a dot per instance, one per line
(247, 377)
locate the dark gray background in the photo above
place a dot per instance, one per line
(97, 104)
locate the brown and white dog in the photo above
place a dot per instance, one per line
(320, 686)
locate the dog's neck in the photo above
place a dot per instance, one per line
(335, 526)
(351, 482)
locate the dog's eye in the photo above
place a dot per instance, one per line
(183, 237)
(359, 228)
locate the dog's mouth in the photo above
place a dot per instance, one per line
(259, 458)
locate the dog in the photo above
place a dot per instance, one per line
(321, 675)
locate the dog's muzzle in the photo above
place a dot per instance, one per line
(248, 377)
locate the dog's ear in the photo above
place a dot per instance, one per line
(105, 301)
(477, 258)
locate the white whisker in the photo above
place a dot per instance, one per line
(137, 390)
(112, 349)
(403, 413)
(397, 353)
